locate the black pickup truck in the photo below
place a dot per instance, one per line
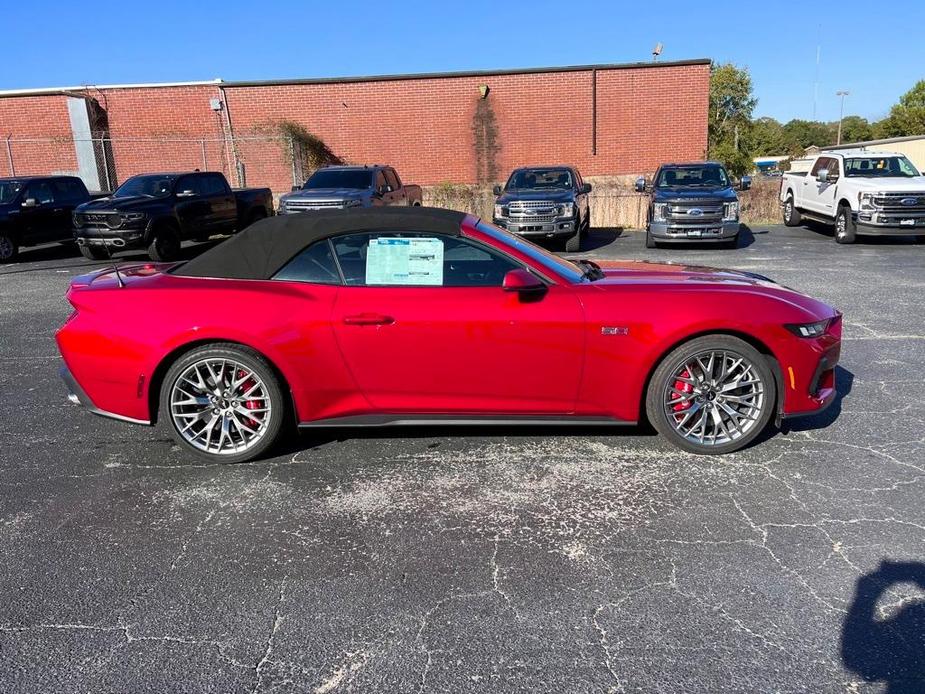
(159, 211)
(545, 202)
(695, 201)
(37, 209)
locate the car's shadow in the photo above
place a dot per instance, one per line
(844, 380)
(826, 231)
(598, 237)
(746, 239)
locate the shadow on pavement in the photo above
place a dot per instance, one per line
(600, 237)
(887, 649)
(844, 380)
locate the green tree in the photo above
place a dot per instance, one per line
(767, 138)
(803, 133)
(731, 106)
(908, 116)
(855, 129)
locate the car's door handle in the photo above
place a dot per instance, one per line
(368, 319)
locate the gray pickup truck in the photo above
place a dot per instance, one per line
(338, 187)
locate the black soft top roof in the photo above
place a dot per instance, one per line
(261, 250)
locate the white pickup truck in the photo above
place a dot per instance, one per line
(858, 192)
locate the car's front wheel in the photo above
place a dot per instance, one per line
(712, 395)
(9, 249)
(223, 403)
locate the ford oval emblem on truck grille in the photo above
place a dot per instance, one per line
(909, 201)
(695, 212)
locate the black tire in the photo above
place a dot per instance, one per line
(416, 203)
(278, 407)
(846, 230)
(9, 247)
(94, 252)
(650, 241)
(665, 378)
(573, 243)
(792, 216)
(164, 245)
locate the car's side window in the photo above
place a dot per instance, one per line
(418, 259)
(314, 264)
(41, 191)
(194, 184)
(380, 182)
(391, 179)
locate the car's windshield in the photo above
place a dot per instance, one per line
(332, 178)
(711, 176)
(9, 190)
(559, 266)
(154, 186)
(540, 179)
(871, 167)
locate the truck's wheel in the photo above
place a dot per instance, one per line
(165, 244)
(650, 242)
(416, 204)
(573, 243)
(792, 216)
(845, 228)
(94, 252)
(9, 249)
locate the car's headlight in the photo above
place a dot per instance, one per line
(866, 201)
(499, 211)
(730, 212)
(809, 329)
(568, 209)
(353, 203)
(134, 216)
(659, 211)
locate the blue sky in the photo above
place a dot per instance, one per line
(67, 43)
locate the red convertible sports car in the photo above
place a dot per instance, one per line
(395, 316)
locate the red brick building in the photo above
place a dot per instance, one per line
(458, 127)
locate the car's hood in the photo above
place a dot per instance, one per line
(692, 193)
(540, 195)
(139, 202)
(325, 193)
(622, 272)
(899, 184)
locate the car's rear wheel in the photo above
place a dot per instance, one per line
(223, 403)
(712, 395)
(792, 216)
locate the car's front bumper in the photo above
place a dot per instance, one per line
(685, 233)
(102, 236)
(78, 396)
(890, 224)
(549, 230)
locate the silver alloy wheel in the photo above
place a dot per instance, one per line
(841, 225)
(788, 209)
(714, 397)
(220, 406)
(6, 248)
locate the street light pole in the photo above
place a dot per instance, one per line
(841, 113)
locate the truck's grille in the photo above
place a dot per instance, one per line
(900, 202)
(695, 212)
(305, 205)
(108, 219)
(533, 210)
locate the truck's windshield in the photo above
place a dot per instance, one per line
(711, 176)
(154, 186)
(870, 167)
(9, 190)
(539, 179)
(333, 178)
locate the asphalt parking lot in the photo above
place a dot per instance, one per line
(480, 560)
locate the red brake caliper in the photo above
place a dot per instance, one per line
(249, 404)
(685, 388)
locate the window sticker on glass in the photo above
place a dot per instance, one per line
(396, 260)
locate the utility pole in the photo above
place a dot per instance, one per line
(841, 112)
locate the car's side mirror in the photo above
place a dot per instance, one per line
(186, 194)
(296, 189)
(745, 183)
(496, 190)
(523, 282)
(640, 185)
(823, 176)
(585, 188)
(29, 203)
